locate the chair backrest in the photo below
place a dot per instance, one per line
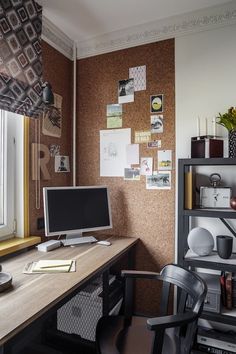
(191, 290)
(188, 283)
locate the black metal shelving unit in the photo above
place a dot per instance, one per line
(184, 216)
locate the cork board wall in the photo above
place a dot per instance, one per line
(147, 214)
(58, 70)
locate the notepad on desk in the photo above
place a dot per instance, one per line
(50, 266)
(53, 265)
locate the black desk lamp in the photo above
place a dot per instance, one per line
(48, 97)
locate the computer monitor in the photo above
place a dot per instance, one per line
(73, 210)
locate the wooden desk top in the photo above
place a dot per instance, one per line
(32, 295)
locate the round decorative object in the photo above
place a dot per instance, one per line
(200, 241)
(232, 143)
(5, 281)
(233, 203)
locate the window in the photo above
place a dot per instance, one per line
(11, 173)
(1, 170)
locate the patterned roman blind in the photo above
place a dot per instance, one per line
(21, 57)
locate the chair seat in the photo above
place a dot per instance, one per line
(115, 338)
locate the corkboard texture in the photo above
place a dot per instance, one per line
(58, 70)
(147, 214)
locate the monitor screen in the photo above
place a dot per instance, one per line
(70, 210)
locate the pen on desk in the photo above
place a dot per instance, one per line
(56, 266)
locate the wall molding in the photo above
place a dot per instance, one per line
(56, 38)
(176, 26)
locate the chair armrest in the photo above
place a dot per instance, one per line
(161, 323)
(135, 274)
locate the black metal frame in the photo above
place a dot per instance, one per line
(183, 226)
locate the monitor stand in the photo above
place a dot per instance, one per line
(77, 239)
(71, 236)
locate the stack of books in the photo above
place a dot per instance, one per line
(214, 341)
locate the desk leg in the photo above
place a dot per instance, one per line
(5, 349)
(131, 258)
(105, 299)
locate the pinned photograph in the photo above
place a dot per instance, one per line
(132, 174)
(146, 166)
(154, 144)
(114, 116)
(164, 158)
(142, 136)
(52, 118)
(156, 104)
(126, 91)
(157, 124)
(138, 73)
(114, 110)
(161, 180)
(54, 150)
(62, 163)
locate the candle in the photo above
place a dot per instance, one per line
(198, 126)
(214, 127)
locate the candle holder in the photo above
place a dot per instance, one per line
(205, 146)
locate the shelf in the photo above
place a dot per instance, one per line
(208, 161)
(212, 261)
(211, 213)
(228, 317)
(186, 184)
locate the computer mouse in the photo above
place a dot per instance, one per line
(104, 243)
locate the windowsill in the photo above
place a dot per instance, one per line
(17, 243)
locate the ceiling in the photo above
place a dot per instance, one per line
(82, 20)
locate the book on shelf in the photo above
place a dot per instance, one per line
(228, 290)
(223, 289)
(233, 290)
(189, 186)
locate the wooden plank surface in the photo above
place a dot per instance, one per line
(32, 295)
(17, 243)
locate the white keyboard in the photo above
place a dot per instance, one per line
(78, 241)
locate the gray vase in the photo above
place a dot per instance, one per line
(224, 246)
(232, 144)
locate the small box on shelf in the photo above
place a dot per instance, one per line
(212, 302)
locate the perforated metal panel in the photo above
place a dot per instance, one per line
(81, 314)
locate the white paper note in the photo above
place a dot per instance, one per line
(113, 145)
(132, 152)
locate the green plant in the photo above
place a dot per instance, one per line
(228, 119)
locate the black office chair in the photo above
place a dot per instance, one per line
(168, 334)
